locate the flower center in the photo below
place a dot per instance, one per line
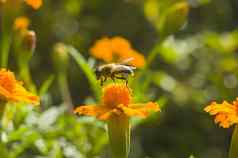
(116, 94)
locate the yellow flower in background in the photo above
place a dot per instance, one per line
(21, 23)
(226, 114)
(12, 90)
(116, 101)
(36, 4)
(116, 49)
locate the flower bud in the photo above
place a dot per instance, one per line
(21, 24)
(29, 41)
(60, 56)
(174, 18)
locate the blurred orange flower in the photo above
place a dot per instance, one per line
(116, 49)
(116, 101)
(12, 90)
(226, 114)
(21, 23)
(36, 4)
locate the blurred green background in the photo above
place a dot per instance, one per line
(195, 62)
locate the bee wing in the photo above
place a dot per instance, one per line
(126, 61)
(123, 69)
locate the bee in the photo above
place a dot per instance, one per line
(115, 71)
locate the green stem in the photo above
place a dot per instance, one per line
(119, 136)
(233, 153)
(26, 75)
(152, 55)
(2, 108)
(5, 39)
(86, 70)
(64, 88)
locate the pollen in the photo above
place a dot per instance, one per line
(21, 23)
(116, 94)
(36, 4)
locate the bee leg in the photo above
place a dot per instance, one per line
(113, 77)
(101, 82)
(123, 78)
(105, 79)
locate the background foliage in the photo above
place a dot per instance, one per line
(192, 50)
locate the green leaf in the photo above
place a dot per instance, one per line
(173, 19)
(233, 153)
(46, 85)
(86, 69)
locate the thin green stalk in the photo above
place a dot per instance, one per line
(119, 136)
(233, 152)
(26, 76)
(151, 57)
(5, 39)
(64, 89)
(2, 108)
(86, 70)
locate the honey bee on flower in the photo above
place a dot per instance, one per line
(116, 109)
(115, 71)
(116, 101)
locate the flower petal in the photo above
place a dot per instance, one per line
(36, 4)
(99, 111)
(12, 90)
(20, 94)
(141, 110)
(225, 113)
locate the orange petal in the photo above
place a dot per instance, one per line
(36, 4)
(138, 58)
(12, 90)
(21, 23)
(141, 110)
(225, 113)
(101, 112)
(102, 50)
(21, 94)
(4, 93)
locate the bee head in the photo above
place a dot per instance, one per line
(98, 73)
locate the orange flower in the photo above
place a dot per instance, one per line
(36, 4)
(116, 49)
(226, 114)
(116, 101)
(12, 90)
(21, 23)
